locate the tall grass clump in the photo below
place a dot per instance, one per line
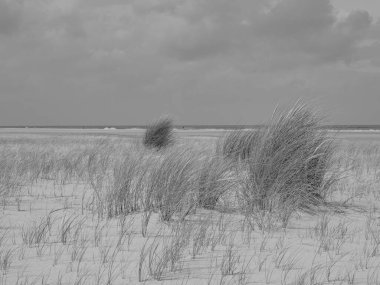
(130, 176)
(288, 164)
(173, 183)
(237, 144)
(159, 134)
(8, 179)
(216, 177)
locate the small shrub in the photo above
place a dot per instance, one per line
(159, 135)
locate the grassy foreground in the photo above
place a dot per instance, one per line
(80, 209)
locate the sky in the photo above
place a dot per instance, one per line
(127, 62)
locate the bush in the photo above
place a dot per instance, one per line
(160, 134)
(288, 164)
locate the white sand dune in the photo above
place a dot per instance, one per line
(51, 230)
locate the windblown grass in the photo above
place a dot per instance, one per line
(280, 168)
(129, 184)
(174, 183)
(64, 228)
(288, 164)
(217, 176)
(159, 134)
(237, 144)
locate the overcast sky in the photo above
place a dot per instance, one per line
(202, 61)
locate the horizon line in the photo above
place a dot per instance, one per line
(185, 126)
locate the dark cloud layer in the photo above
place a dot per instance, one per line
(205, 61)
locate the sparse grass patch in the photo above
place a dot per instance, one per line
(37, 232)
(95, 190)
(6, 258)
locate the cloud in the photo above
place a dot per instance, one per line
(297, 19)
(9, 17)
(297, 32)
(186, 51)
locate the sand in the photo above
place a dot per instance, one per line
(51, 233)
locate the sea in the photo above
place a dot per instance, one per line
(190, 127)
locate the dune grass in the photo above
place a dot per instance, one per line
(217, 176)
(237, 144)
(174, 183)
(73, 209)
(129, 178)
(287, 163)
(159, 134)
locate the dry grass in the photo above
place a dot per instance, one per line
(159, 134)
(217, 176)
(289, 165)
(173, 183)
(238, 144)
(79, 210)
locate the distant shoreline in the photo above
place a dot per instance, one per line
(193, 127)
